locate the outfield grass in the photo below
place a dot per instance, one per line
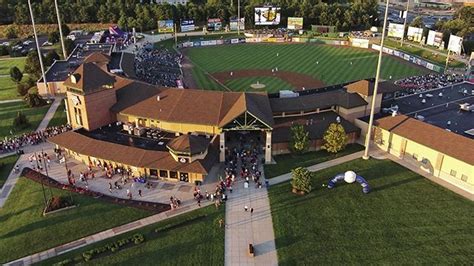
(6, 166)
(60, 116)
(7, 63)
(286, 162)
(188, 239)
(24, 230)
(273, 84)
(334, 62)
(8, 112)
(405, 220)
(7, 88)
(426, 53)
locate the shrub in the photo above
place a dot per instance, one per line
(299, 139)
(16, 74)
(20, 121)
(22, 89)
(113, 247)
(335, 138)
(301, 179)
(64, 262)
(34, 100)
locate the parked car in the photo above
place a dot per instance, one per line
(5, 44)
(27, 42)
(46, 43)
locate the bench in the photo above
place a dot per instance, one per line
(251, 250)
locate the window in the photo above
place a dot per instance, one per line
(453, 173)
(153, 172)
(184, 177)
(78, 116)
(173, 174)
(424, 161)
(464, 178)
(415, 156)
(163, 173)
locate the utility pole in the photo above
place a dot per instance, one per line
(38, 47)
(405, 23)
(238, 17)
(60, 29)
(175, 36)
(447, 62)
(374, 95)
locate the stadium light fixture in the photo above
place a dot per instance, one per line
(38, 47)
(376, 86)
(61, 36)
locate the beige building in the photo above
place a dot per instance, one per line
(439, 152)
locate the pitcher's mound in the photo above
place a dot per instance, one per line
(258, 86)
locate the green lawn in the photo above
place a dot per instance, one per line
(7, 63)
(334, 62)
(273, 84)
(24, 230)
(405, 220)
(7, 88)
(423, 53)
(8, 112)
(188, 239)
(286, 162)
(60, 117)
(6, 165)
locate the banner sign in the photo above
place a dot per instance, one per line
(267, 15)
(234, 22)
(414, 34)
(187, 25)
(362, 43)
(165, 26)
(455, 44)
(295, 23)
(434, 38)
(214, 24)
(396, 30)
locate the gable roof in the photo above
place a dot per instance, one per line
(366, 87)
(97, 57)
(201, 107)
(190, 144)
(451, 144)
(89, 77)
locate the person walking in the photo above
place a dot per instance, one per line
(251, 211)
(140, 193)
(246, 208)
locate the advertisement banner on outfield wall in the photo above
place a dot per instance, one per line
(295, 23)
(396, 30)
(414, 34)
(165, 26)
(434, 38)
(187, 25)
(234, 41)
(214, 24)
(361, 43)
(455, 44)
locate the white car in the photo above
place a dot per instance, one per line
(27, 42)
(5, 44)
(46, 43)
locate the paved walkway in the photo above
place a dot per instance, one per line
(23, 159)
(52, 252)
(244, 228)
(320, 166)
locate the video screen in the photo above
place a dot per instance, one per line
(267, 15)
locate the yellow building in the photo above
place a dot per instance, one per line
(443, 154)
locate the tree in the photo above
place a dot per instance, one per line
(418, 22)
(11, 31)
(299, 139)
(22, 88)
(34, 100)
(32, 64)
(301, 180)
(50, 57)
(16, 74)
(20, 121)
(69, 46)
(335, 138)
(53, 37)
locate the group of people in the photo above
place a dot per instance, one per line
(417, 84)
(15, 144)
(276, 33)
(158, 66)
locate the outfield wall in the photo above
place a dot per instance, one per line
(198, 43)
(410, 58)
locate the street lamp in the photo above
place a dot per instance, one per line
(376, 86)
(60, 29)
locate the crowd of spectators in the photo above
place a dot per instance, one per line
(15, 144)
(158, 66)
(263, 33)
(417, 84)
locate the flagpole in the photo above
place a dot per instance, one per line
(38, 47)
(60, 29)
(374, 95)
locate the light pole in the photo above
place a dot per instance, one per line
(60, 29)
(405, 23)
(374, 95)
(238, 17)
(38, 47)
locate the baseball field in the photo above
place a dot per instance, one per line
(274, 67)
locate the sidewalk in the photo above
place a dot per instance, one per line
(52, 252)
(23, 159)
(244, 228)
(317, 167)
